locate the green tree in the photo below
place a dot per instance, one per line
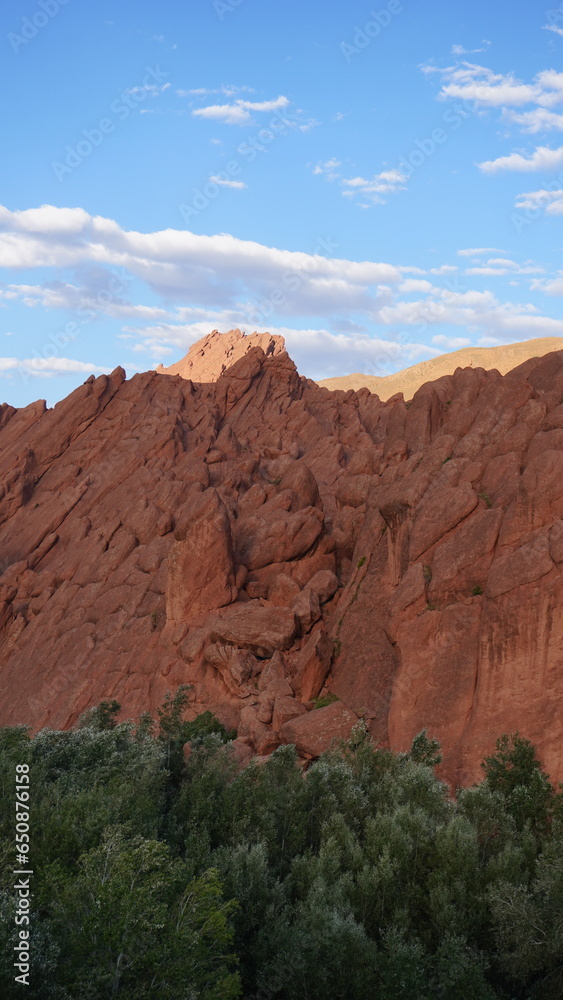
(425, 750)
(102, 716)
(132, 925)
(515, 772)
(528, 920)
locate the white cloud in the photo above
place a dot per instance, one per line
(538, 120)
(231, 114)
(506, 93)
(451, 343)
(503, 262)
(415, 285)
(459, 50)
(149, 89)
(472, 82)
(503, 266)
(222, 282)
(184, 265)
(550, 201)
(552, 287)
(478, 251)
(371, 190)
(225, 182)
(384, 183)
(47, 367)
(100, 294)
(486, 270)
(543, 158)
(328, 169)
(47, 220)
(553, 27)
(239, 113)
(228, 91)
(324, 354)
(476, 312)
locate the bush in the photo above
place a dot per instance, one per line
(159, 875)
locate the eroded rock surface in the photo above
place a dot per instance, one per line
(265, 540)
(212, 355)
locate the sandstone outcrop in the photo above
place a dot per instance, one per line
(212, 355)
(315, 732)
(265, 541)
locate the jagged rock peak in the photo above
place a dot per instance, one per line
(207, 359)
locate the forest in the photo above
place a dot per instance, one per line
(163, 869)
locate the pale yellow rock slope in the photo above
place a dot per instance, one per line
(503, 358)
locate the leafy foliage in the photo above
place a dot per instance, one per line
(161, 873)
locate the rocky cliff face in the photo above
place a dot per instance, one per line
(264, 539)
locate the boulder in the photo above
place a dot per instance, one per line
(236, 666)
(352, 491)
(286, 709)
(261, 737)
(274, 677)
(260, 628)
(282, 590)
(241, 752)
(317, 731)
(298, 478)
(324, 584)
(307, 609)
(276, 535)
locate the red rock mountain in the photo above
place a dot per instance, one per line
(264, 539)
(212, 355)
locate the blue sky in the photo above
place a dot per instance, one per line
(379, 183)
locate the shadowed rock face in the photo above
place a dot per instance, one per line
(259, 537)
